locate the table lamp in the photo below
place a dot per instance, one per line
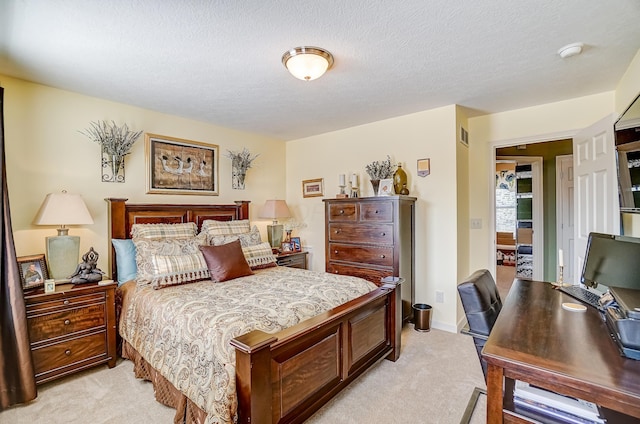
(275, 209)
(63, 250)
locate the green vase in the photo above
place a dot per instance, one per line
(399, 180)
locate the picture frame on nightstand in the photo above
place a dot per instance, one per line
(295, 244)
(33, 271)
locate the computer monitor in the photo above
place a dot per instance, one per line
(612, 261)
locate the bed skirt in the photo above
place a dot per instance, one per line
(166, 393)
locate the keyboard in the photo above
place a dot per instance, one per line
(583, 295)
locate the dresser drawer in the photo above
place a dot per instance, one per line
(361, 233)
(373, 275)
(69, 353)
(343, 212)
(376, 211)
(60, 323)
(382, 256)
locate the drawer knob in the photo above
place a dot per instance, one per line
(66, 302)
(383, 234)
(376, 211)
(382, 256)
(67, 322)
(341, 211)
(67, 352)
(335, 251)
(337, 231)
(335, 272)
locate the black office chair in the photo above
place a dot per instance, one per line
(482, 304)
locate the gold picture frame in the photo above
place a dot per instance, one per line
(178, 166)
(313, 188)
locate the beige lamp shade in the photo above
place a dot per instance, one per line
(275, 209)
(63, 250)
(63, 209)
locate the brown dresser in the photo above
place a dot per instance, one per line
(372, 238)
(71, 329)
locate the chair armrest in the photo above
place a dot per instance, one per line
(467, 331)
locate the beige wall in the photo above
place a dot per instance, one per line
(538, 123)
(46, 153)
(628, 87)
(430, 134)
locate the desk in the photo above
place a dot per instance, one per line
(536, 341)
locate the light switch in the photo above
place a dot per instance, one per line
(476, 223)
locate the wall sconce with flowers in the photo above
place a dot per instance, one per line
(240, 162)
(116, 142)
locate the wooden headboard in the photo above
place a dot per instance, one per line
(123, 215)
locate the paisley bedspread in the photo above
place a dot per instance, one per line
(184, 331)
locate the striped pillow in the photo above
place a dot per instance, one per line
(163, 231)
(212, 227)
(259, 256)
(163, 263)
(251, 238)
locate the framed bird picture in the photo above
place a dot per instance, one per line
(181, 166)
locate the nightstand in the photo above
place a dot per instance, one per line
(71, 329)
(292, 259)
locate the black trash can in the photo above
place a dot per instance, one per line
(422, 317)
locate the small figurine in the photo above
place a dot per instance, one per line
(87, 271)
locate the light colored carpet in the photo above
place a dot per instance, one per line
(430, 383)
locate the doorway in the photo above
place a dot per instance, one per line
(545, 249)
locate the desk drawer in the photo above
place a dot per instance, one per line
(68, 353)
(292, 261)
(362, 233)
(382, 256)
(56, 324)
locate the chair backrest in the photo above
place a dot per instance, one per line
(482, 304)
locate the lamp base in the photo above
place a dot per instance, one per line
(274, 234)
(63, 254)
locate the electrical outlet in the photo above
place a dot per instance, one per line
(476, 223)
(439, 296)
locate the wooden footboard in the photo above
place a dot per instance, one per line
(287, 376)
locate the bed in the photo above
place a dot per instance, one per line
(279, 377)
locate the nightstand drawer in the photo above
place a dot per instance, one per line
(69, 301)
(57, 324)
(361, 233)
(382, 256)
(68, 353)
(292, 261)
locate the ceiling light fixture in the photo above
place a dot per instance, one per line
(569, 50)
(307, 63)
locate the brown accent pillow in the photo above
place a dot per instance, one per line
(226, 261)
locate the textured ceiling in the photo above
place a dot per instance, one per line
(219, 61)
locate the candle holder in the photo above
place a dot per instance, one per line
(560, 282)
(342, 194)
(354, 191)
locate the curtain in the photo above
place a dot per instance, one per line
(17, 380)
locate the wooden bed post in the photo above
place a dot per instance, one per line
(253, 377)
(244, 208)
(395, 323)
(116, 216)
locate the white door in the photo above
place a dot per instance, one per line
(565, 215)
(596, 189)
